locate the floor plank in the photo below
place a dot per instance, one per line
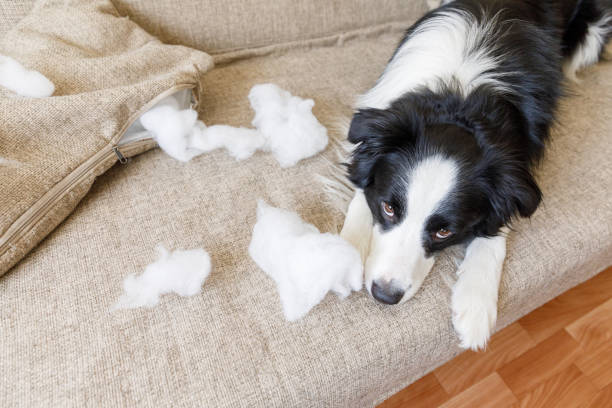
(488, 392)
(425, 393)
(568, 307)
(597, 365)
(540, 363)
(470, 367)
(595, 328)
(594, 333)
(602, 399)
(569, 388)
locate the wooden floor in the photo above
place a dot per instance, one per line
(560, 355)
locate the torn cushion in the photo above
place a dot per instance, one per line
(106, 71)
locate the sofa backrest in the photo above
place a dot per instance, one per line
(220, 26)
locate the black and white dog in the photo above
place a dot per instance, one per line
(447, 139)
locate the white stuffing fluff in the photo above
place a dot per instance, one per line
(291, 130)
(284, 125)
(23, 81)
(181, 272)
(304, 263)
(241, 143)
(8, 162)
(171, 129)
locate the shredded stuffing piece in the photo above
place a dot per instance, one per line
(287, 123)
(23, 81)
(180, 272)
(284, 125)
(304, 263)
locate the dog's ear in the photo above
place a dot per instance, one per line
(365, 124)
(361, 167)
(366, 132)
(513, 191)
(377, 132)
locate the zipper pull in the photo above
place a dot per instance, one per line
(120, 156)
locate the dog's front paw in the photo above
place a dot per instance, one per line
(474, 314)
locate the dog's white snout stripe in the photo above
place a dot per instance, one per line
(398, 254)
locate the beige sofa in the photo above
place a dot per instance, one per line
(229, 346)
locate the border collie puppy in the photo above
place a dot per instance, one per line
(447, 139)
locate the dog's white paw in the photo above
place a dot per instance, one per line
(474, 314)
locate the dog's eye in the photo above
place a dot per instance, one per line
(442, 234)
(388, 209)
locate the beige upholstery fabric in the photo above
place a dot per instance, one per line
(106, 69)
(12, 11)
(222, 26)
(230, 346)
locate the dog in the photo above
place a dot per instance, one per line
(445, 144)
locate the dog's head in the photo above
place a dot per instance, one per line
(433, 179)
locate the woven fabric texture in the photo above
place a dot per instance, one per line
(230, 346)
(12, 11)
(105, 69)
(219, 27)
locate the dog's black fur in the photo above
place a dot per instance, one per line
(497, 138)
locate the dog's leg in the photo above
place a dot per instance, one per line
(357, 227)
(474, 299)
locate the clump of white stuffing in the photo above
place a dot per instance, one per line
(171, 129)
(304, 263)
(285, 126)
(23, 81)
(181, 272)
(291, 130)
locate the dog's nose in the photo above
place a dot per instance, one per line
(386, 292)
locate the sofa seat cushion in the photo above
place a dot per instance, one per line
(230, 346)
